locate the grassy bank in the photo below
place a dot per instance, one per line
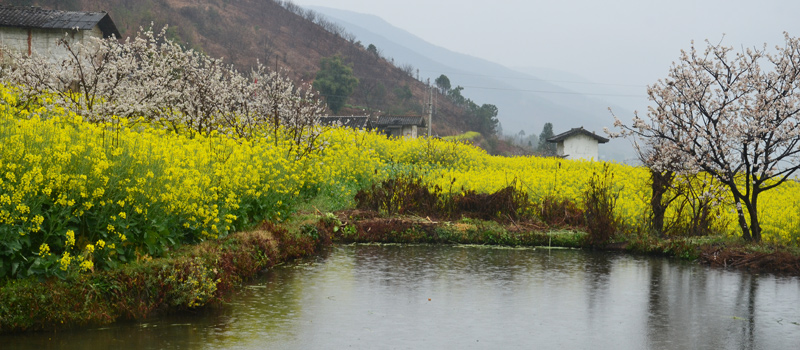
(191, 277)
(716, 251)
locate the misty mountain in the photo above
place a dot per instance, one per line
(525, 101)
(627, 96)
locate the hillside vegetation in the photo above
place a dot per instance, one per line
(286, 37)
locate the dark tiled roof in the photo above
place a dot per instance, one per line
(389, 120)
(577, 131)
(356, 122)
(35, 17)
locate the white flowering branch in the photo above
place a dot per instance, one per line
(153, 78)
(722, 113)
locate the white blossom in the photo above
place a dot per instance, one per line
(720, 112)
(153, 78)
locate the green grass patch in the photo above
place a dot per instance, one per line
(469, 135)
(189, 278)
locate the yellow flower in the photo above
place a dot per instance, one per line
(101, 244)
(65, 261)
(23, 209)
(70, 239)
(89, 248)
(87, 265)
(44, 250)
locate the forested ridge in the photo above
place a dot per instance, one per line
(285, 37)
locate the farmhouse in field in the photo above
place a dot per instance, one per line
(35, 30)
(353, 122)
(577, 143)
(408, 126)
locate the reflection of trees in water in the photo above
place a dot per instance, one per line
(390, 264)
(489, 275)
(694, 307)
(747, 295)
(658, 321)
(598, 267)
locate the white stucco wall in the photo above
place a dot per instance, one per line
(14, 38)
(43, 41)
(410, 131)
(578, 147)
(404, 130)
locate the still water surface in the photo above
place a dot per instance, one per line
(467, 297)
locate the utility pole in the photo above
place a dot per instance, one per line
(430, 108)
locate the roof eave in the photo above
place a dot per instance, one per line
(108, 27)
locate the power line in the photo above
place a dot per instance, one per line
(533, 79)
(528, 90)
(531, 90)
(552, 92)
(512, 89)
(517, 89)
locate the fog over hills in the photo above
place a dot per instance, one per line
(525, 101)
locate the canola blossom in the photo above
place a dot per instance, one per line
(457, 167)
(77, 196)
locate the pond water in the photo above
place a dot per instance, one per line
(468, 297)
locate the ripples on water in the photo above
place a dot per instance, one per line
(468, 297)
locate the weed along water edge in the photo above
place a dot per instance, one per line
(423, 296)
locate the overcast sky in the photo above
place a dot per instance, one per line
(630, 42)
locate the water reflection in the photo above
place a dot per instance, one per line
(432, 297)
(694, 307)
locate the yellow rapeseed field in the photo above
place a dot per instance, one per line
(77, 196)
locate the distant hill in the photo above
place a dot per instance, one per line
(525, 101)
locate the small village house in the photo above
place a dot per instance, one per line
(35, 30)
(353, 122)
(577, 143)
(407, 126)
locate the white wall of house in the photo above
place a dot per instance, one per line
(410, 131)
(578, 147)
(43, 41)
(404, 130)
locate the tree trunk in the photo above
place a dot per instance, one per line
(742, 220)
(755, 226)
(659, 184)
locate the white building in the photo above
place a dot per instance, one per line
(407, 126)
(577, 143)
(34, 30)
